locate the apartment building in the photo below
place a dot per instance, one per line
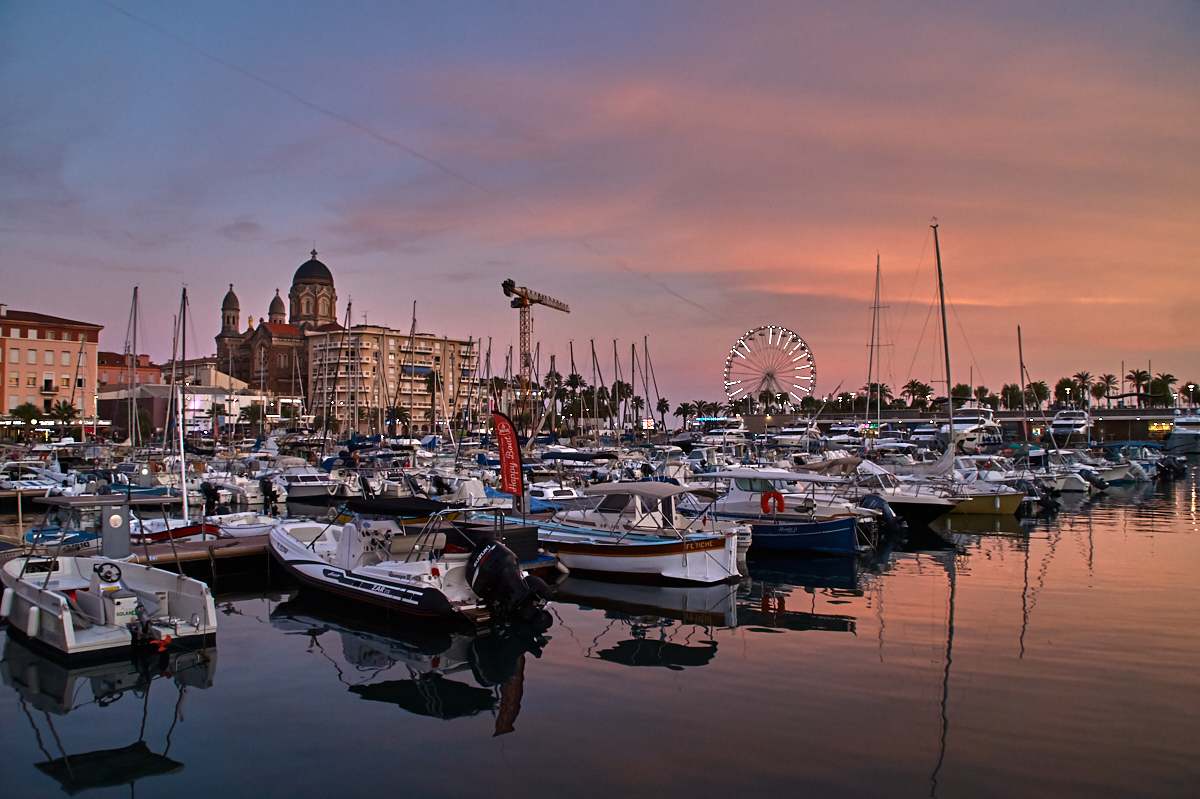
(358, 373)
(46, 359)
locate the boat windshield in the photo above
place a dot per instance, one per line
(755, 485)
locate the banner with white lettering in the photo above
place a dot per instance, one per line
(510, 457)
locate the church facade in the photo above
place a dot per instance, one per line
(273, 356)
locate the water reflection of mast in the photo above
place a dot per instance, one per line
(951, 571)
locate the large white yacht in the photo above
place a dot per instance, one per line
(1184, 438)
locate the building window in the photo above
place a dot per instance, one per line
(66, 359)
(31, 380)
(121, 377)
(324, 308)
(80, 382)
(283, 360)
(49, 357)
(12, 401)
(14, 379)
(307, 307)
(67, 336)
(49, 335)
(14, 355)
(104, 377)
(31, 356)
(81, 361)
(66, 381)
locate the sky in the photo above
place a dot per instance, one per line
(679, 173)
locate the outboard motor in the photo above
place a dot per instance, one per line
(1045, 488)
(1094, 479)
(494, 574)
(1170, 468)
(211, 496)
(1038, 495)
(889, 522)
(269, 494)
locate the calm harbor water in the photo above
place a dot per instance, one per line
(997, 658)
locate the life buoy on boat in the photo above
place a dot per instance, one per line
(772, 497)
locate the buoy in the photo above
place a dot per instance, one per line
(769, 498)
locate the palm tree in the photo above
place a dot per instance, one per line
(1166, 380)
(981, 393)
(28, 413)
(663, 407)
(1010, 395)
(63, 411)
(765, 400)
(685, 410)
(397, 415)
(1036, 393)
(1084, 381)
(1104, 384)
(1065, 389)
(1139, 378)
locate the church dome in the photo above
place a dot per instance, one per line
(313, 270)
(231, 301)
(277, 306)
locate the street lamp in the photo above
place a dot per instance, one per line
(1191, 387)
(1068, 396)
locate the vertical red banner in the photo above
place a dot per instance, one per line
(510, 456)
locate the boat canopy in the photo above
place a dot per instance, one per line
(769, 474)
(408, 507)
(649, 489)
(579, 456)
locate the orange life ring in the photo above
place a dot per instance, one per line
(772, 497)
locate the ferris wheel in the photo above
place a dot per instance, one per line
(773, 359)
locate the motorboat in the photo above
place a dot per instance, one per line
(1068, 425)
(1184, 438)
(241, 525)
(309, 485)
(80, 607)
(418, 573)
(975, 429)
(635, 529)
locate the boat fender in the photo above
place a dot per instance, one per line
(772, 497)
(33, 623)
(6, 603)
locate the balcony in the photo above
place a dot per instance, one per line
(48, 388)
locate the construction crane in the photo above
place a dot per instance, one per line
(523, 299)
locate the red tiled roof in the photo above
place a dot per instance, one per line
(281, 328)
(328, 327)
(44, 319)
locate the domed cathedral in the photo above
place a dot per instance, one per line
(313, 299)
(273, 357)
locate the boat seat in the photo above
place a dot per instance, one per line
(80, 618)
(404, 544)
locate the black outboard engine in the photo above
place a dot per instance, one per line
(211, 497)
(1096, 481)
(494, 573)
(1169, 468)
(1045, 488)
(889, 522)
(1038, 495)
(269, 494)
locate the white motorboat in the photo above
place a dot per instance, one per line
(1184, 438)
(242, 525)
(974, 430)
(80, 607)
(1070, 425)
(636, 530)
(309, 485)
(380, 562)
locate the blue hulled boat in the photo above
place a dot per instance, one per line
(834, 535)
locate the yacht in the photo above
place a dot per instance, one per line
(1184, 438)
(1070, 425)
(974, 430)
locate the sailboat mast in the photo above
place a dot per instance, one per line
(871, 351)
(1024, 413)
(945, 339)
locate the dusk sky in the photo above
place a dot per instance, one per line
(684, 171)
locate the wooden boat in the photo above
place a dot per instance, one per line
(635, 530)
